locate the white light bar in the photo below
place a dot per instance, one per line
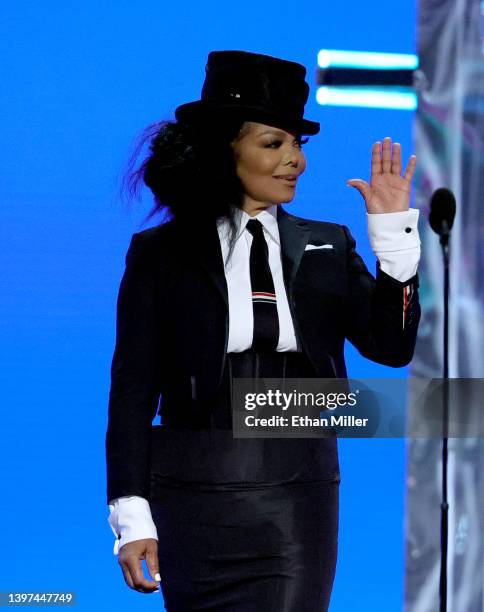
(368, 97)
(332, 58)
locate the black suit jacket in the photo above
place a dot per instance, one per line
(172, 325)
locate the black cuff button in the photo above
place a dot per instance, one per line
(408, 230)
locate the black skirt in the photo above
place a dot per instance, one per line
(245, 524)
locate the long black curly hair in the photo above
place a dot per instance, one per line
(190, 170)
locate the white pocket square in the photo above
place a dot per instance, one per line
(309, 247)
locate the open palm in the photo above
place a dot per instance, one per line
(388, 190)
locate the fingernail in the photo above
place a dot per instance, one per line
(157, 577)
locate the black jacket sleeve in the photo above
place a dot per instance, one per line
(134, 390)
(382, 314)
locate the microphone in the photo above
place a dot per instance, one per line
(442, 212)
(441, 219)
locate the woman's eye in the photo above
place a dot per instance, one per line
(300, 142)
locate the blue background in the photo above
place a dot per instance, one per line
(79, 82)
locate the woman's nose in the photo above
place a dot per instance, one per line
(293, 161)
(292, 158)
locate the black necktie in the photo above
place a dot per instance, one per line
(266, 322)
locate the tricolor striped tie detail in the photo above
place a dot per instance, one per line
(264, 300)
(263, 296)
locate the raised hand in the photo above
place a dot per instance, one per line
(387, 191)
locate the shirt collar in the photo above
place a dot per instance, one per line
(267, 217)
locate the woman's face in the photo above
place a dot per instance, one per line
(262, 153)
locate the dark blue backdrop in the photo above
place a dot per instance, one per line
(79, 81)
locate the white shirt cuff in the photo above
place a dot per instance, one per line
(395, 241)
(130, 519)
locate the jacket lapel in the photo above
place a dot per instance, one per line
(206, 252)
(294, 235)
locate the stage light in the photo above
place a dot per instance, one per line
(367, 97)
(332, 58)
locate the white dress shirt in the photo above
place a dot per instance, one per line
(237, 275)
(397, 250)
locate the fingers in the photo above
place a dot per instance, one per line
(410, 169)
(387, 155)
(152, 559)
(376, 158)
(397, 159)
(362, 187)
(138, 580)
(387, 159)
(126, 574)
(130, 557)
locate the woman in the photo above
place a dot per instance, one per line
(233, 286)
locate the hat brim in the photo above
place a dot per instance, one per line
(201, 110)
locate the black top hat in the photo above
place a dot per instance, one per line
(254, 87)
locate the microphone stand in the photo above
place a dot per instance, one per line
(444, 506)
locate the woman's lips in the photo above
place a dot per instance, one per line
(288, 182)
